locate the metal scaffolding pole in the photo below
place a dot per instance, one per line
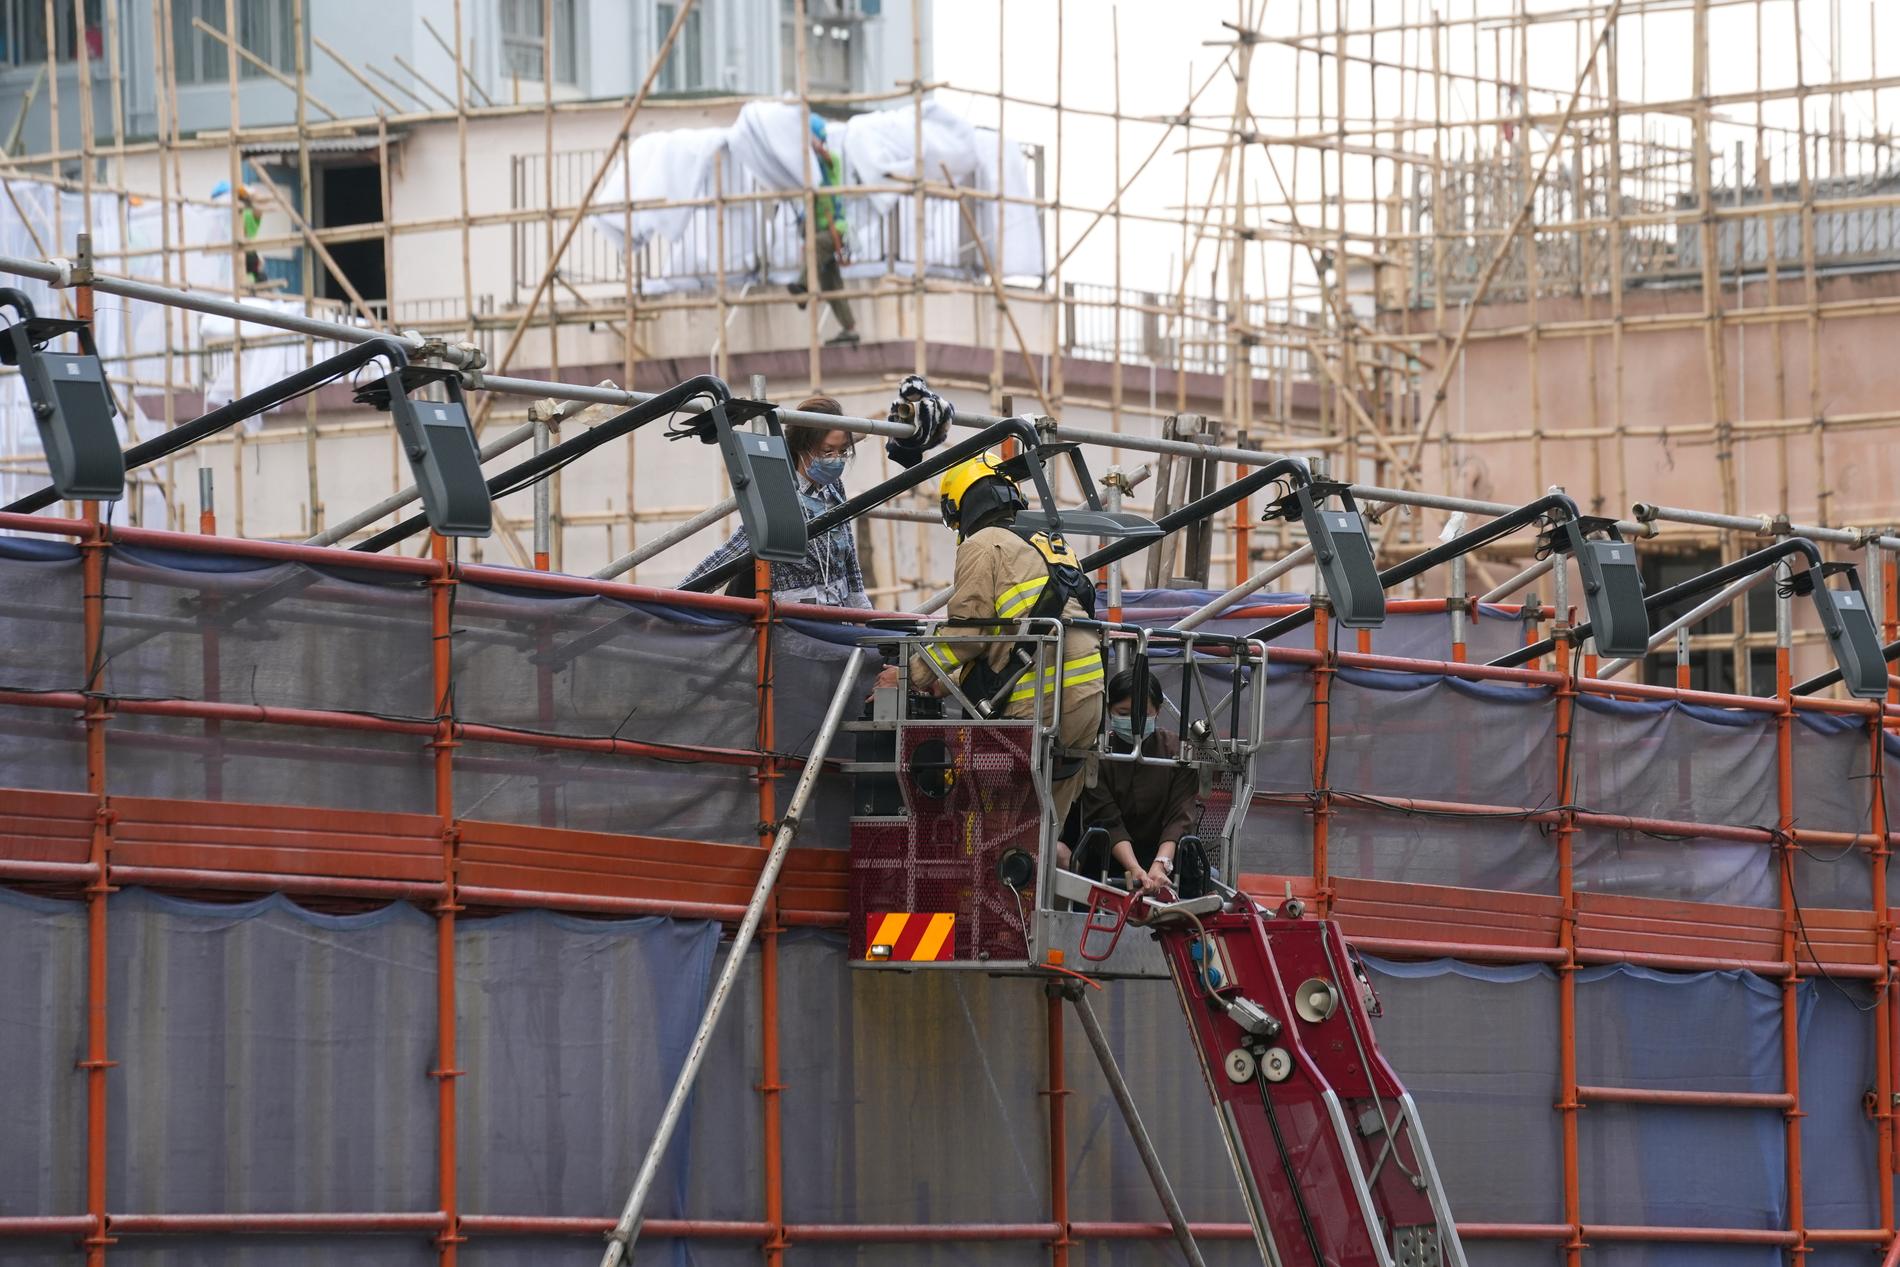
(1150, 1160)
(1693, 617)
(627, 1229)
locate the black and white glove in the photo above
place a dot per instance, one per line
(930, 416)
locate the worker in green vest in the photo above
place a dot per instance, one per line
(252, 222)
(829, 239)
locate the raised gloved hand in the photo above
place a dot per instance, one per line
(930, 416)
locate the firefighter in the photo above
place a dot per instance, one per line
(1009, 572)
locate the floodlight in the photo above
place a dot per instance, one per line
(1342, 549)
(72, 405)
(440, 445)
(1612, 588)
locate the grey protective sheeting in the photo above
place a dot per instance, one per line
(273, 1059)
(41, 649)
(42, 1039)
(282, 1057)
(191, 626)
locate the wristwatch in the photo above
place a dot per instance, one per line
(1167, 864)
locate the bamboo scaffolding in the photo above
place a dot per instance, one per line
(1371, 201)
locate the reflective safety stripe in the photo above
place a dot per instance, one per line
(1019, 598)
(942, 653)
(1074, 672)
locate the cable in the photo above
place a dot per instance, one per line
(1292, 1179)
(1801, 926)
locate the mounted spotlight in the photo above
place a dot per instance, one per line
(760, 468)
(1342, 549)
(1849, 627)
(440, 445)
(1612, 585)
(1845, 619)
(72, 406)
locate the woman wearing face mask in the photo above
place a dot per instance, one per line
(1145, 809)
(829, 574)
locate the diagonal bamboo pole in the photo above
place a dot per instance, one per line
(353, 73)
(587, 200)
(421, 79)
(262, 65)
(996, 287)
(1505, 244)
(466, 73)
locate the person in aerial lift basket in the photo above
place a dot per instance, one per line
(1145, 810)
(1007, 572)
(829, 575)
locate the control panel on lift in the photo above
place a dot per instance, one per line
(953, 831)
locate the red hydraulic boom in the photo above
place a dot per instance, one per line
(1325, 1140)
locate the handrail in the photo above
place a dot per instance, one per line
(1694, 587)
(263, 399)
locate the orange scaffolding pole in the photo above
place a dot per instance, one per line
(770, 1086)
(1784, 849)
(1883, 986)
(1886, 1015)
(1058, 1094)
(1323, 673)
(1565, 833)
(1243, 532)
(93, 572)
(441, 612)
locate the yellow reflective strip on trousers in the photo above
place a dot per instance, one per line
(1074, 672)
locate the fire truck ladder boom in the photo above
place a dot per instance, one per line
(1326, 1142)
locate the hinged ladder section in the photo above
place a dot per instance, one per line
(1327, 1144)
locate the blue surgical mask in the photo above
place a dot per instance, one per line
(1124, 727)
(824, 470)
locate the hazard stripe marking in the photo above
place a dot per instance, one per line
(932, 945)
(885, 928)
(913, 937)
(914, 927)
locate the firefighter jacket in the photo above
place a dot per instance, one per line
(1001, 576)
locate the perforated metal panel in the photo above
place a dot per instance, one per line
(969, 798)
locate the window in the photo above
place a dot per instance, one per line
(685, 66)
(834, 43)
(350, 193)
(264, 30)
(524, 44)
(1710, 668)
(23, 32)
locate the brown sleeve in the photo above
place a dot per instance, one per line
(972, 597)
(1100, 809)
(1184, 804)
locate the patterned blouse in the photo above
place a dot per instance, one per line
(829, 574)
